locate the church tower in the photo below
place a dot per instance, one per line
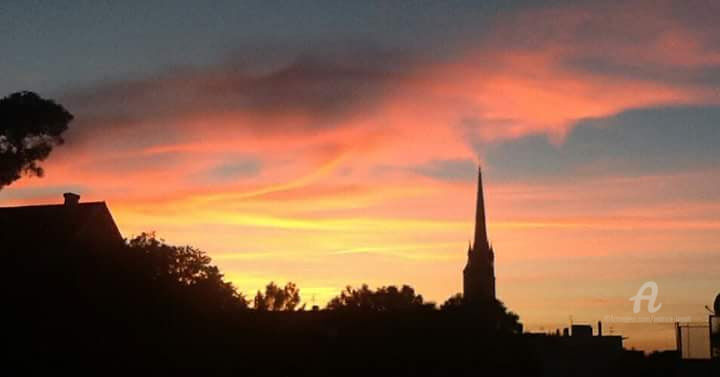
(479, 272)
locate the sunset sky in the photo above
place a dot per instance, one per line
(332, 143)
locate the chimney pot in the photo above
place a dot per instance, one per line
(71, 199)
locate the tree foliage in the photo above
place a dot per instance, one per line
(184, 268)
(30, 127)
(167, 309)
(388, 298)
(454, 302)
(490, 311)
(278, 298)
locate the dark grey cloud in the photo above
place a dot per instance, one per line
(321, 88)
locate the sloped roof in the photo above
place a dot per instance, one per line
(81, 222)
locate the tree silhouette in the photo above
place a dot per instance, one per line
(454, 302)
(187, 269)
(490, 311)
(30, 127)
(383, 299)
(278, 299)
(166, 309)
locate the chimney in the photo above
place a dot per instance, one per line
(599, 328)
(71, 199)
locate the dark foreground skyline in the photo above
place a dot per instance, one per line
(142, 306)
(328, 143)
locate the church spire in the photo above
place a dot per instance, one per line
(481, 239)
(479, 272)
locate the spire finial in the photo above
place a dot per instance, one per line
(481, 239)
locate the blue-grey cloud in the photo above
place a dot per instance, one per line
(460, 170)
(23, 193)
(82, 42)
(701, 76)
(233, 170)
(640, 141)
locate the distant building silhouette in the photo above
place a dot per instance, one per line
(479, 272)
(584, 330)
(69, 224)
(577, 352)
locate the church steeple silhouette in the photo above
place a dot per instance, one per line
(479, 272)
